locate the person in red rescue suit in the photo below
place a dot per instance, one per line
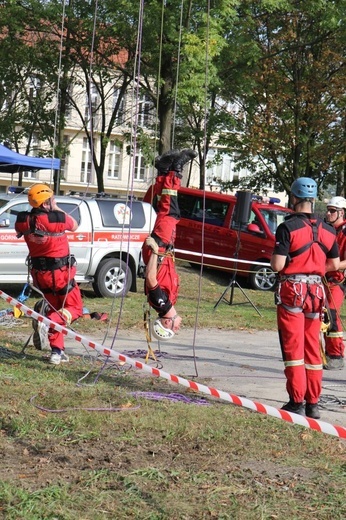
(51, 266)
(161, 278)
(304, 250)
(335, 290)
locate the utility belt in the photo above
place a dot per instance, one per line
(46, 263)
(301, 278)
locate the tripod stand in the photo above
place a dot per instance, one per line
(234, 284)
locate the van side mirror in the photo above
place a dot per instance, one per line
(5, 222)
(254, 228)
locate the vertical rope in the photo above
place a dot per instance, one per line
(90, 79)
(204, 152)
(57, 106)
(177, 74)
(135, 107)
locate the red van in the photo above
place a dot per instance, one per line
(207, 233)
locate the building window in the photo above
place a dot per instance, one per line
(144, 114)
(219, 167)
(29, 175)
(64, 159)
(118, 105)
(92, 103)
(140, 168)
(34, 87)
(114, 157)
(85, 174)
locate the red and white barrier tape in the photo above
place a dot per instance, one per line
(321, 426)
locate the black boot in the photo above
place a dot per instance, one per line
(174, 160)
(164, 163)
(311, 410)
(291, 406)
(184, 157)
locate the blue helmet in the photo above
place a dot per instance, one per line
(304, 188)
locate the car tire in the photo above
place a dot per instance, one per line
(262, 278)
(113, 278)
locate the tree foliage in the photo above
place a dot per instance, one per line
(262, 80)
(286, 80)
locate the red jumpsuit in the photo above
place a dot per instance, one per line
(52, 268)
(165, 201)
(335, 291)
(300, 299)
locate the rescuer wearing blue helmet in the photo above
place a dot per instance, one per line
(304, 188)
(305, 248)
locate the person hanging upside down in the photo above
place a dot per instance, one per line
(51, 265)
(161, 279)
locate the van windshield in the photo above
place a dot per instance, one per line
(274, 217)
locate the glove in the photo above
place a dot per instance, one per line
(150, 242)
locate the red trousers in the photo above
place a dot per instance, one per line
(334, 342)
(64, 308)
(299, 315)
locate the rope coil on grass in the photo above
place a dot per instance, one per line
(320, 426)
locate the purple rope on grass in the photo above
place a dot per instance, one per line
(175, 398)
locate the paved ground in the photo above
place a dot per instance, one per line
(239, 362)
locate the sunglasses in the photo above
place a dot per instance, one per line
(332, 211)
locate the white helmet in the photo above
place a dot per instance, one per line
(160, 332)
(337, 202)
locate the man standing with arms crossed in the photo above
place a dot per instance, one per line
(335, 290)
(305, 249)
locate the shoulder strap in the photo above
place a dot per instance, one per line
(314, 226)
(33, 229)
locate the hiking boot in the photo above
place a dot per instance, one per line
(55, 358)
(58, 357)
(334, 363)
(174, 160)
(312, 410)
(163, 163)
(64, 357)
(184, 157)
(293, 407)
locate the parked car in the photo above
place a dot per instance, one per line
(107, 243)
(207, 232)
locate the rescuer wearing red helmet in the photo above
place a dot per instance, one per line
(52, 267)
(161, 278)
(305, 249)
(335, 290)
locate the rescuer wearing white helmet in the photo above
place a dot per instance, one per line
(335, 290)
(305, 247)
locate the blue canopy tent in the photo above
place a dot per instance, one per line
(12, 162)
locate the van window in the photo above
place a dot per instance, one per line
(273, 218)
(72, 210)
(194, 208)
(12, 212)
(119, 213)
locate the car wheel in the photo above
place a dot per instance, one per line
(113, 278)
(262, 278)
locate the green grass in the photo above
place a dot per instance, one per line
(154, 460)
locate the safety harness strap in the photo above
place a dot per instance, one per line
(315, 240)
